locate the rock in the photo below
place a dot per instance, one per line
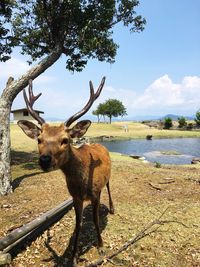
(5, 258)
(135, 156)
(149, 137)
(195, 161)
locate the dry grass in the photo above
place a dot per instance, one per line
(136, 130)
(136, 203)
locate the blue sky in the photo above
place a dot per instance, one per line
(156, 72)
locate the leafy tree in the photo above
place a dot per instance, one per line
(113, 108)
(168, 123)
(46, 29)
(96, 113)
(100, 111)
(190, 126)
(197, 118)
(182, 122)
(7, 41)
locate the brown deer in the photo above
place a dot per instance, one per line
(87, 168)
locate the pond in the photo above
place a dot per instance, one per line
(155, 150)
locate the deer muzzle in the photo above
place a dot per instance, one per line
(45, 162)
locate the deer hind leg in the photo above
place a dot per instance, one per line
(78, 206)
(112, 210)
(95, 205)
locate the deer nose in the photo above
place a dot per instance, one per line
(45, 162)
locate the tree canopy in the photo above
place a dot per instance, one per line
(197, 118)
(6, 40)
(81, 29)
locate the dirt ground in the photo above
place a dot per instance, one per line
(141, 193)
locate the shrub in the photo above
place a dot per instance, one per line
(157, 164)
(168, 123)
(182, 122)
(190, 126)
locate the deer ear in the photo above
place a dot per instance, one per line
(29, 128)
(79, 129)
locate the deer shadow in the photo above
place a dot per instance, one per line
(28, 161)
(87, 239)
(17, 181)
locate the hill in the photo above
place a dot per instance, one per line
(175, 117)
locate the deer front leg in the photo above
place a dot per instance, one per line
(78, 206)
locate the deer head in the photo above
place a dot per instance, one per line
(54, 141)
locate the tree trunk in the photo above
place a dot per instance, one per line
(5, 171)
(110, 117)
(6, 99)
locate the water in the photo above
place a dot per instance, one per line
(188, 148)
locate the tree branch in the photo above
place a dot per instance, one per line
(11, 91)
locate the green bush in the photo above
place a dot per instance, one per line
(182, 122)
(168, 123)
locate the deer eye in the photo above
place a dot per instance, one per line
(39, 141)
(65, 141)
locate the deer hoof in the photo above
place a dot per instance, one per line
(112, 210)
(101, 251)
(74, 262)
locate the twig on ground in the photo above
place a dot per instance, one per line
(143, 233)
(167, 182)
(155, 186)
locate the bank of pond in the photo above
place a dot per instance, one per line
(164, 151)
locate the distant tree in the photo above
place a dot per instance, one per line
(113, 108)
(182, 122)
(100, 111)
(168, 123)
(46, 29)
(95, 113)
(7, 41)
(190, 126)
(197, 118)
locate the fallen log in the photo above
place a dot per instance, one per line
(45, 220)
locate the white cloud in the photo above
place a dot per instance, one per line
(16, 67)
(162, 92)
(160, 97)
(191, 82)
(44, 79)
(13, 67)
(163, 96)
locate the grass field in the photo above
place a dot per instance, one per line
(116, 129)
(141, 193)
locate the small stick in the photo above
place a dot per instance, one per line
(155, 187)
(167, 182)
(143, 233)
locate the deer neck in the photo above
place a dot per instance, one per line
(73, 164)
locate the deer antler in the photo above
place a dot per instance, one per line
(30, 102)
(93, 97)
